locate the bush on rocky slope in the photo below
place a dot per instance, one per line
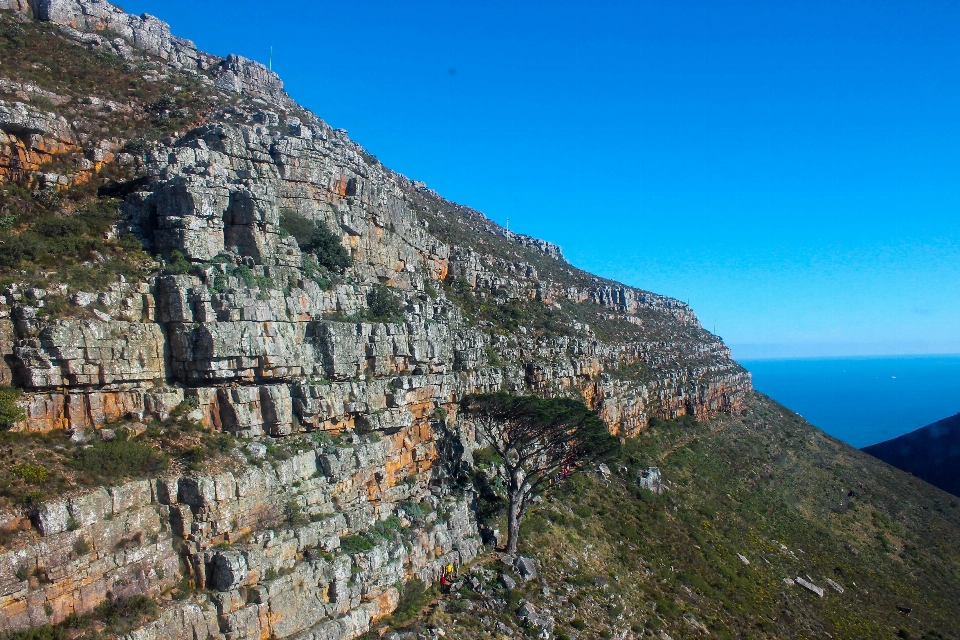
(63, 231)
(10, 412)
(113, 617)
(383, 305)
(84, 79)
(37, 466)
(316, 238)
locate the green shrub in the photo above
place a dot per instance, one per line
(383, 305)
(298, 226)
(578, 624)
(223, 443)
(9, 411)
(294, 514)
(81, 547)
(43, 632)
(118, 458)
(486, 457)
(178, 265)
(32, 473)
(195, 457)
(316, 237)
(355, 544)
(122, 614)
(315, 272)
(413, 509)
(244, 273)
(219, 283)
(309, 266)
(329, 250)
(413, 597)
(385, 528)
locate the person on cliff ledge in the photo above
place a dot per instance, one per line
(444, 583)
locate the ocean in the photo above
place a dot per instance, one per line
(863, 400)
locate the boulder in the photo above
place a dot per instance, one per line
(52, 517)
(227, 570)
(256, 450)
(525, 567)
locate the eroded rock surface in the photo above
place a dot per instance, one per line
(232, 533)
(263, 345)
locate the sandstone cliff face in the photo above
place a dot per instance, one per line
(232, 534)
(262, 347)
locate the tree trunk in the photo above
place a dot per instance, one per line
(513, 523)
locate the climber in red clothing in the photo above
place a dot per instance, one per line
(444, 583)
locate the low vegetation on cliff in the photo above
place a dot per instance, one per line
(317, 239)
(39, 466)
(69, 235)
(137, 100)
(65, 237)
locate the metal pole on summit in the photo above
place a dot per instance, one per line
(271, 57)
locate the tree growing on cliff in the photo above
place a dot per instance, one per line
(10, 412)
(316, 238)
(535, 439)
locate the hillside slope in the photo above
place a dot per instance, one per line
(618, 561)
(932, 453)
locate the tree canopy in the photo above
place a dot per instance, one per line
(536, 438)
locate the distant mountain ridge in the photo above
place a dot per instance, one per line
(932, 453)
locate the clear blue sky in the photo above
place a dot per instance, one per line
(791, 168)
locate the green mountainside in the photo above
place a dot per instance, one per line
(615, 559)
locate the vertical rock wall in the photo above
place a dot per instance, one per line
(263, 347)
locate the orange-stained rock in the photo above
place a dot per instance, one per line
(387, 602)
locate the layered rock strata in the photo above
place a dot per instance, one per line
(264, 346)
(232, 534)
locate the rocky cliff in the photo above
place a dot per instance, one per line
(230, 319)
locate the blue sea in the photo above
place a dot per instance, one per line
(863, 400)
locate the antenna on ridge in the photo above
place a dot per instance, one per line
(271, 57)
(508, 223)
